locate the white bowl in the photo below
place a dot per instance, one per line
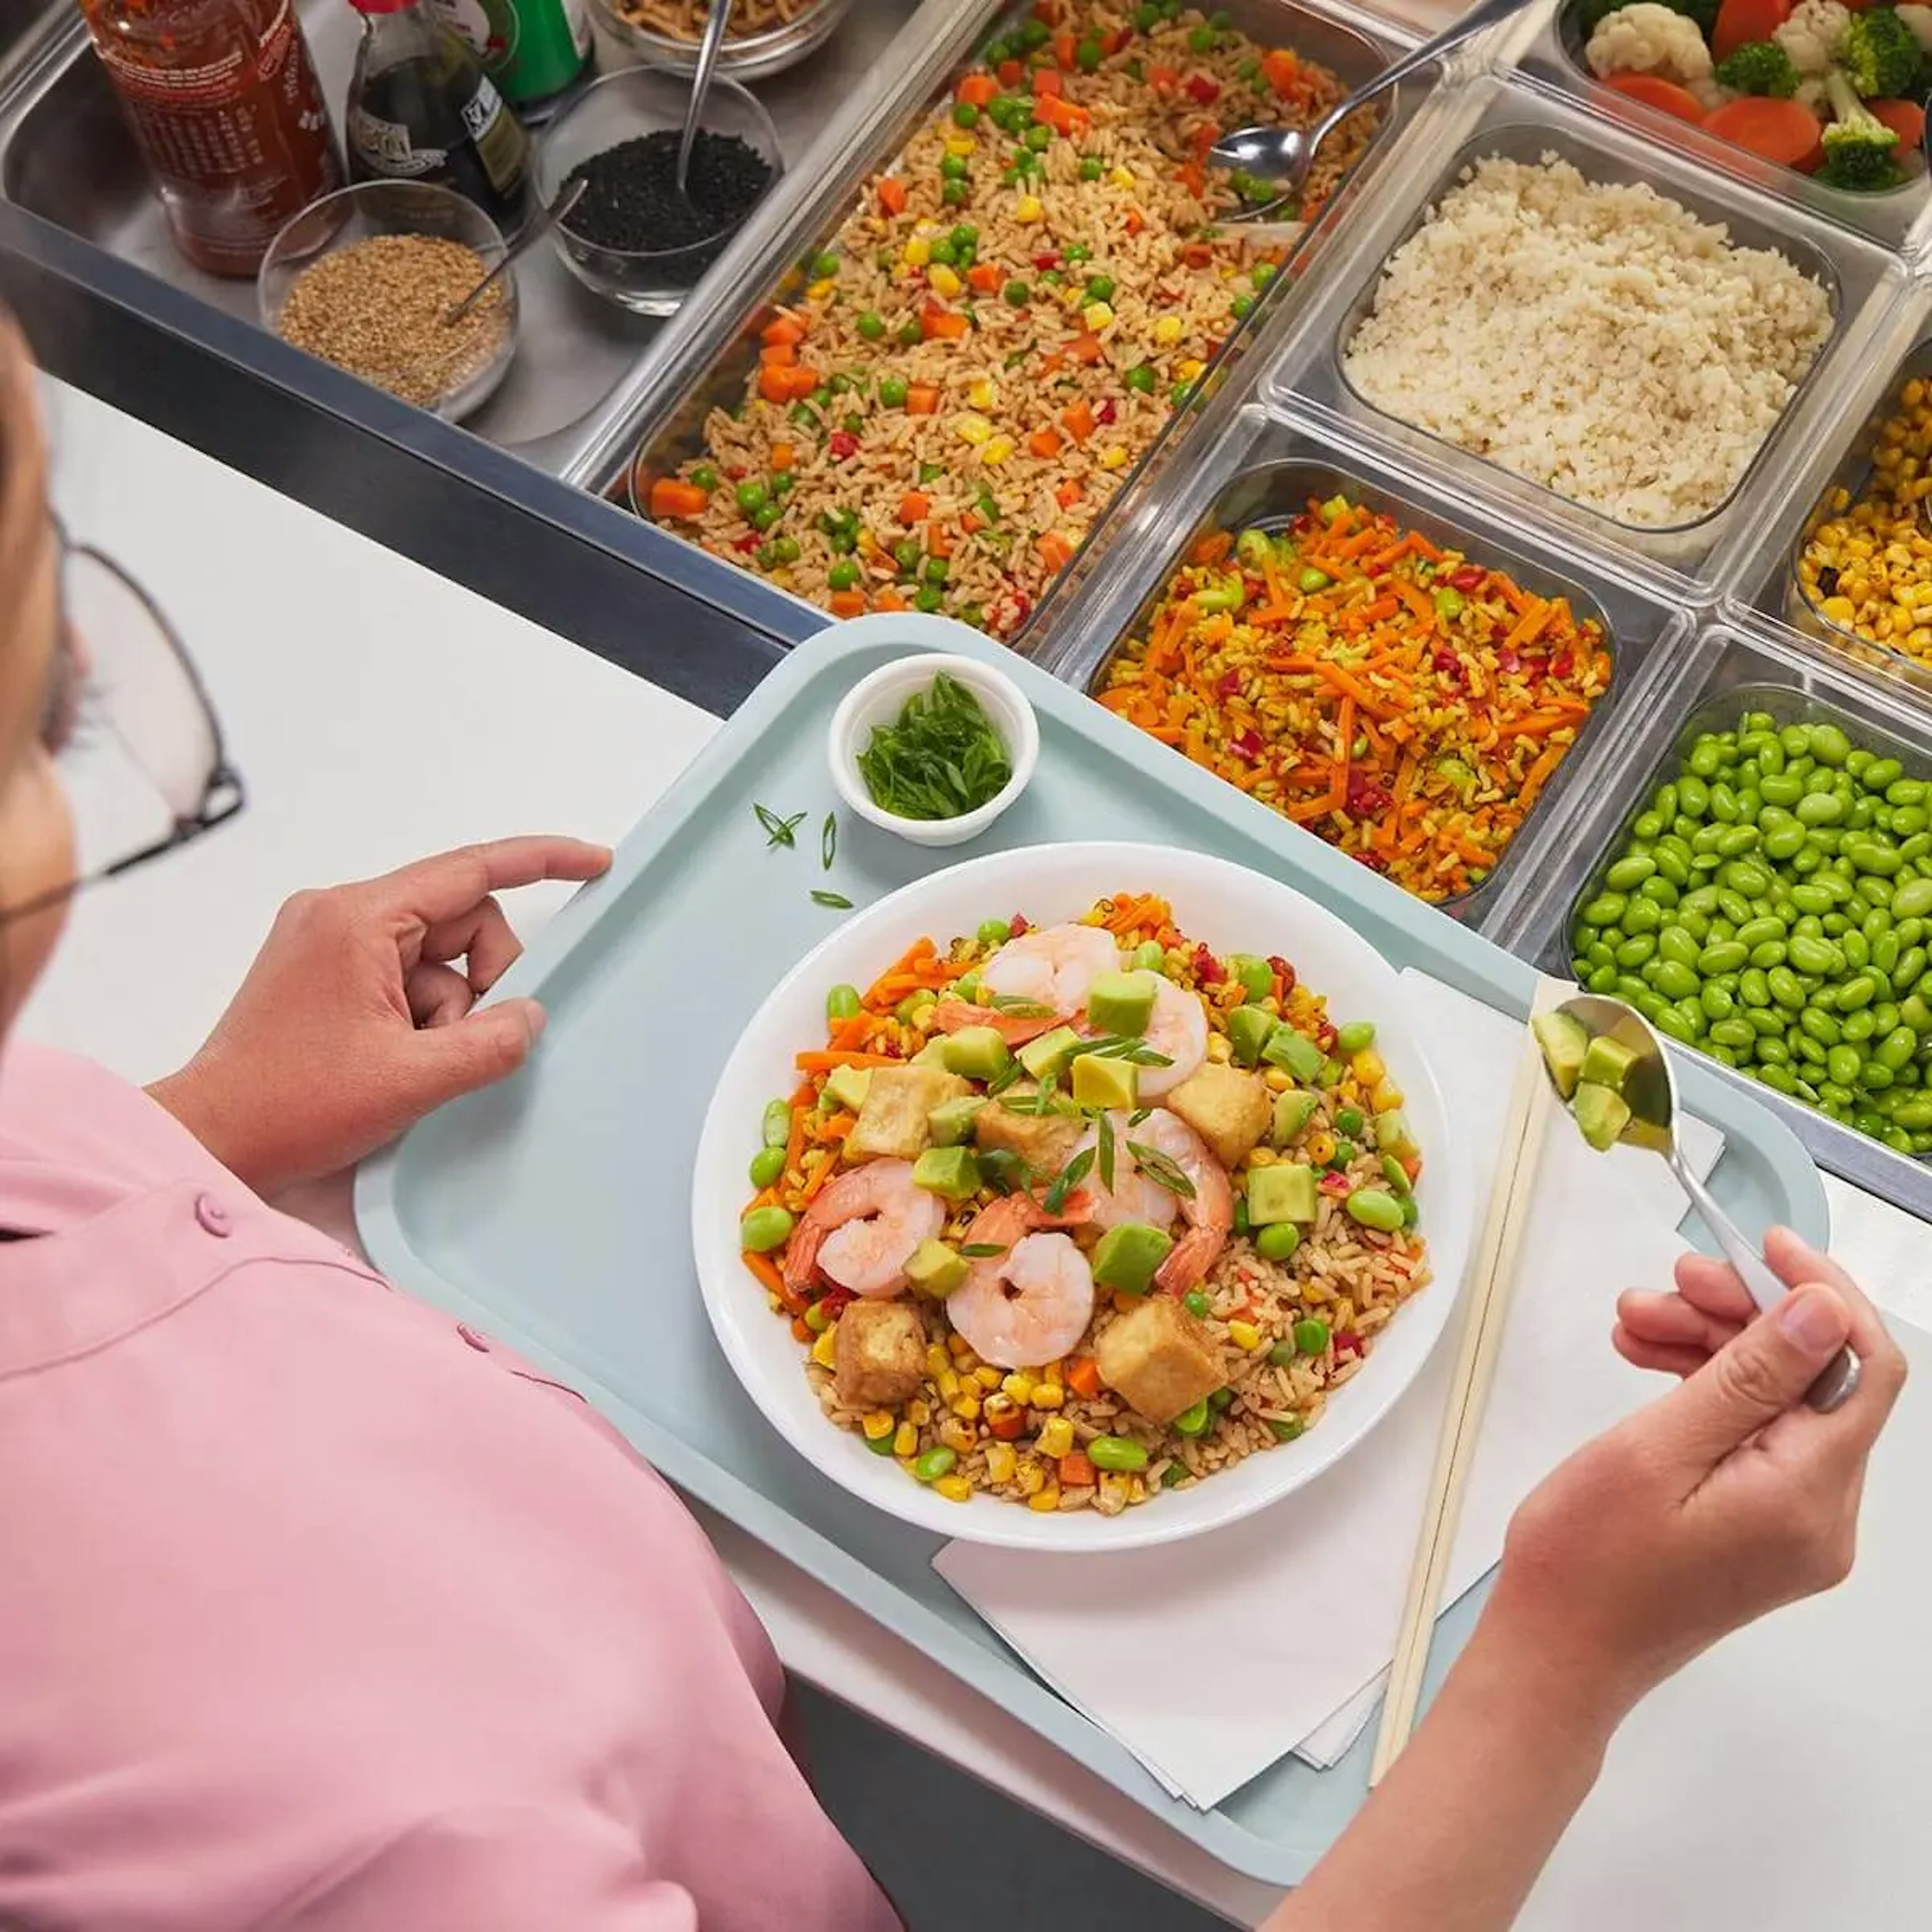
(1232, 910)
(878, 699)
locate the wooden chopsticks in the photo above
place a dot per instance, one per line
(1491, 1283)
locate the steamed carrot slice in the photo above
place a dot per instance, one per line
(1666, 96)
(1905, 119)
(1741, 22)
(1785, 131)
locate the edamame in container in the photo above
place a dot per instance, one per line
(1770, 904)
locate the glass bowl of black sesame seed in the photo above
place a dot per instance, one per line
(632, 237)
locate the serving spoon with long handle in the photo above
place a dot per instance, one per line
(543, 224)
(1284, 155)
(715, 21)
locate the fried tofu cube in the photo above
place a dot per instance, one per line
(878, 1354)
(1158, 1359)
(1045, 1141)
(1231, 1110)
(892, 1123)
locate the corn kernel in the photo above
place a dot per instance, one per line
(1046, 1501)
(1096, 315)
(1369, 1067)
(1028, 209)
(1047, 1395)
(968, 1408)
(819, 290)
(961, 1348)
(987, 1376)
(1387, 1097)
(954, 1489)
(1001, 1462)
(1244, 1335)
(918, 1411)
(1031, 1476)
(1056, 1436)
(943, 281)
(1276, 1081)
(1115, 1487)
(971, 428)
(1137, 1489)
(1115, 456)
(1321, 1147)
(1261, 1157)
(918, 252)
(1219, 1050)
(905, 1439)
(1840, 610)
(949, 1385)
(958, 1434)
(961, 143)
(822, 1349)
(878, 1425)
(997, 450)
(937, 1361)
(1167, 331)
(1020, 1387)
(983, 395)
(1189, 367)
(1121, 177)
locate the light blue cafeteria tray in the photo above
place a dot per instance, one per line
(553, 1211)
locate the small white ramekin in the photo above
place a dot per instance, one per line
(878, 699)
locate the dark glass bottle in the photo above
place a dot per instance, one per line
(421, 108)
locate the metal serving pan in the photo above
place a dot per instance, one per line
(1555, 59)
(1525, 124)
(707, 355)
(1272, 474)
(1733, 667)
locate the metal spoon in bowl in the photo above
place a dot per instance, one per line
(543, 224)
(715, 24)
(1285, 154)
(1649, 1089)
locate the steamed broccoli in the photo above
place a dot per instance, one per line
(1879, 53)
(1763, 67)
(1860, 150)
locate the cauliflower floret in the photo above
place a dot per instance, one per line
(1647, 38)
(1815, 95)
(1919, 20)
(1811, 36)
(1712, 93)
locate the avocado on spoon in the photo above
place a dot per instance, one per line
(1610, 1066)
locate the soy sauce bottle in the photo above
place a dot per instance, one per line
(421, 108)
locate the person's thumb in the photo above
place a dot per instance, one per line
(483, 1047)
(1755, 1377)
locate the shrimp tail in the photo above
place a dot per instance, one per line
(1015, 1029)
(801, 1254)
(1188, 1262)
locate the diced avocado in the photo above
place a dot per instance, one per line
(1393, 1134)
(1049, 1054)
(953, 1173)
(1127, 1256)
(1281, 1192)
(937, 1269)
(1565, 1045)
(1606, 1063)
(1249, 1029)
(1121, 1003)
(933, 1053)
(1293, 1111)
(951, 1123)
(845, 1086)
(1100, 1081)
(1602, 1114)
(977, 1053)
(1295, 1052)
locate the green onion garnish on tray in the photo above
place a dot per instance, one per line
(942, 759)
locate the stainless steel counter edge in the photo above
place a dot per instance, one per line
(421, 487)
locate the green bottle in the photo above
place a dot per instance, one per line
(532, 50)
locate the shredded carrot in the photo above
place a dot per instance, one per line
(1083, 1376)
(825, 1061)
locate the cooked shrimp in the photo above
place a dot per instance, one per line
(1030, 1303)
(1209, 1213)
(956, 1015)
(1132, 1196)
(861, 1230)
(1054, 965)
(1179, 1030)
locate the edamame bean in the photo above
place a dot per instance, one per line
(1694, 795)
(1723, 956)
(1659, 891)
(767, 1164)
(1897, 1048)
(1605, 909)
(842, 1003)
(1723, 803)
(1642, 915)
(1668, 1020)
(1906, 791)
(1859, 991)
(1881, 775)
(1859, 1025)
(1357, 1037)
(1781, 789)
(1912, 900)
(1636, 949)
(1820, 808)
(1646, 826)
(1628, 874)
(1843, 1064)
(1598, 979)
(935, 1462)
(775, 1129)
(1856, 947)
(765, 1228)
(1674, 981)
(1816, 956)
(1778, 1078)
(1719, 1003)
(1735, 1034)
(1785, 989)
(1820, 1026)
(1374, 1208)
(1117, 1452)
(1671, 865)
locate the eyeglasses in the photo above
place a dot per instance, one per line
(144, 768)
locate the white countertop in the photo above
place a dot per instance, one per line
(377, 713)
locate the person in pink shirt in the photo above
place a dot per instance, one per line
(319, 1610)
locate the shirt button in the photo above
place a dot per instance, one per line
(470, 1336)
(213, 1216)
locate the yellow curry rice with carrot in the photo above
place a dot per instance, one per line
(1069, 1216)
(1002, 328)
(1401, 702)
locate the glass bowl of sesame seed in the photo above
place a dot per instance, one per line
(367, 279)
(632, 237)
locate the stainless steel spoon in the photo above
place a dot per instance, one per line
(1285, 154)
(718, 19)
(543, 224)
(1650, 1090)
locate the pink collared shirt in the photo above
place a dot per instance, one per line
(318, 1609)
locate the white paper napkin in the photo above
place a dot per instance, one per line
(1310, 1591)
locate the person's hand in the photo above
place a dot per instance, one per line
(1720, 1501)
(356, 1019)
